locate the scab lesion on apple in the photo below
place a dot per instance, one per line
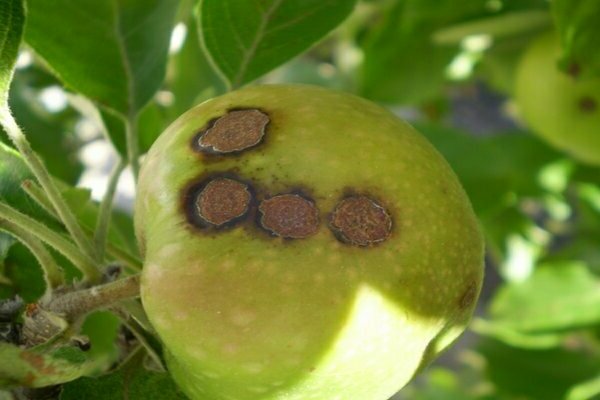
(290, 216)
(587, 104)
(361, 221)
(236, 131)
(223, 201)
(217, 201)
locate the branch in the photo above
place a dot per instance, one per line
(81, 302)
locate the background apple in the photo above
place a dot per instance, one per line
(563, 109)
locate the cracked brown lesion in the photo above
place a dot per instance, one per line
(360, 221)
(223, 200)
(236, 131)
(290, 216)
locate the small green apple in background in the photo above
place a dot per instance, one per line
(563, 109)
(302, 243)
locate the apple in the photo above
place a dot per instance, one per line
(302, 243)
(561, 108)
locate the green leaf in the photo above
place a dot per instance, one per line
(113, 52)
(102, 328)
(585, 390)
(440, 384)
(536, 374)
(247, 39)
(25, 274)
(151, 123)
(517, 338)
(132, 381)
(486, 169)
(86, 210)
(402, 63)
(6, 241)
(577, 24)
(556, 297)
(12, 19)
(51, 134)
(190, 76)
(31, 368)
(13, 172)
(508, 24)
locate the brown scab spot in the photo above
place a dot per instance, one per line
(223, 200)
(289, 216)
(588, 104)
(574, 69)
(235, 131)
(468, 296)
(360, 221)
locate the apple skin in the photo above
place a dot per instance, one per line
(246, 315)
(562, 109)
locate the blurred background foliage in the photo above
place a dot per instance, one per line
(446, 66)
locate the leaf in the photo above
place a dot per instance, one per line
(25, 274)
(402, 63)
(516, 338)
(577, 24)
(501, 26)
(13, 172)
(247, 39)
(31, 368)
(102, 328)
(563, 296)
(51, 134)
(190, 76)
(488, 172)
(585, 390)
(151, 123)
(6, 241)
(132, 381)
(536, 374)
(86, 210)
(12, 19)
(114, 52)
(440, 384)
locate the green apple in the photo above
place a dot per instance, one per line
(302, 243)
(563, 109)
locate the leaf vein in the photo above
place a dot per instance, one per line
(249, 53)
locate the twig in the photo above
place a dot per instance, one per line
(105, 211)
(81, 302)
(133, 151)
